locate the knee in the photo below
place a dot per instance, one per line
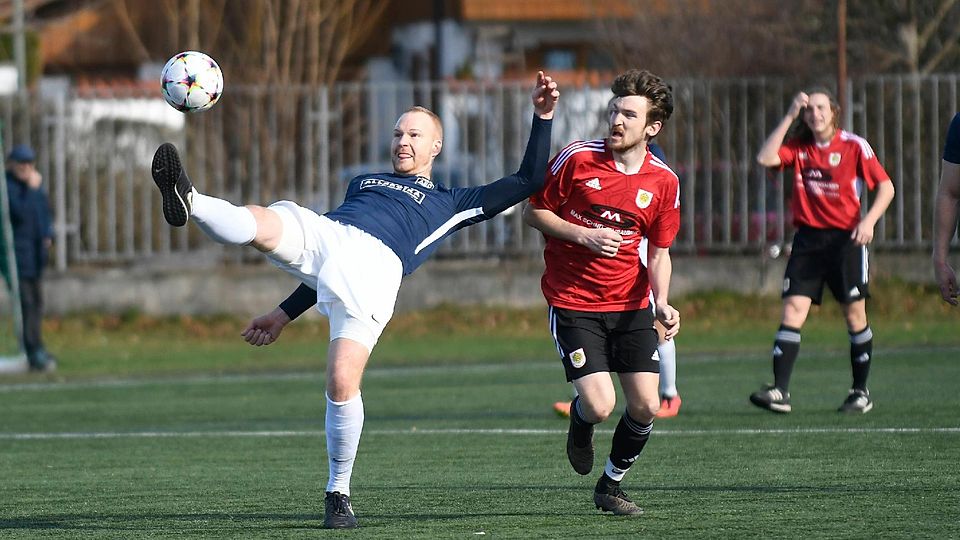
(342, 385)
(340, 391)
(645, 410)
(856, 321)
(795, 311)
(596, 411)
(856, 317)
(269, 228)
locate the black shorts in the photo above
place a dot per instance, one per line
(593, 342)
(826, 256)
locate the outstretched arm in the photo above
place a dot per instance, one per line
(944, 225)
(545, 96)
(508, 191)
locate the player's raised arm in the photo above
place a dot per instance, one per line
(545, 96)
(533, 167)
(510, 190)
(769, 153)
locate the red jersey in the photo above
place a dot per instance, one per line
(584, 187)
(828, 179)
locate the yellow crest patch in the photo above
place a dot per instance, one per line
(644, 198)
(578, 358)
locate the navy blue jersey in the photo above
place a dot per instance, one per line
(951, 149)
(411, 214)
(657, 151)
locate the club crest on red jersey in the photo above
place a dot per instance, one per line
(644, 198)
(834, 159)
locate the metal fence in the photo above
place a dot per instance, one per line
(259, 145)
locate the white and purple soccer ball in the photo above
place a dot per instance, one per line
(191, 82)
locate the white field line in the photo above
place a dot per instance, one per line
(452, 431)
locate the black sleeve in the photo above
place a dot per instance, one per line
(510, 190)
(299, 301)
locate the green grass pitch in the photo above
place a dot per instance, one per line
(466, 451)
(160, 429)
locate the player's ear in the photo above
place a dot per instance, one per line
(653, 128)
(437, 146)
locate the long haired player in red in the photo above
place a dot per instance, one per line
(830, 169)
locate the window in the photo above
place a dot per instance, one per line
(559, 60)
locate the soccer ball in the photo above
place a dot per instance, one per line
(191, 82)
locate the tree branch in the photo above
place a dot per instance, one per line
(933, 24)
(949, 46)
(123, 14)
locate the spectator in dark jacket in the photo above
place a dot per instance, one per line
(32, 237)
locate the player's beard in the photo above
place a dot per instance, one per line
(624, 144)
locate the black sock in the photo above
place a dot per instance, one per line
(628, 441)
(786, 346)
(582, 430)
(861, 353)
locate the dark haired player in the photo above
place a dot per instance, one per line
(351, 260)
(600, 200)
(830, 168)
(670, 400)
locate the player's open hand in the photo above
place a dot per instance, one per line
(669, 317)
(265, 329)
(603, 242)
(947, 281)
(545, 96)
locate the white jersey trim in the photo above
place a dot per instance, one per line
(654, 160)
(864, 145)
(657, 162)
(596, 145)
(450, 223)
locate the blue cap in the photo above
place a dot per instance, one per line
(22, 153)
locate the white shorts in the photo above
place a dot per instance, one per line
(355, 275)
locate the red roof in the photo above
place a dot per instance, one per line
(544, 10)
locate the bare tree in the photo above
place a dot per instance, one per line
(275, 54)
(286, 41)
(722, 38)
(719, 38)
(914, 36)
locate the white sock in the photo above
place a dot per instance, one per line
(344, 422)
(668, 368)
(613, 472)
(222, 221)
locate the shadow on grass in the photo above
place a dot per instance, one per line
(146, 522)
